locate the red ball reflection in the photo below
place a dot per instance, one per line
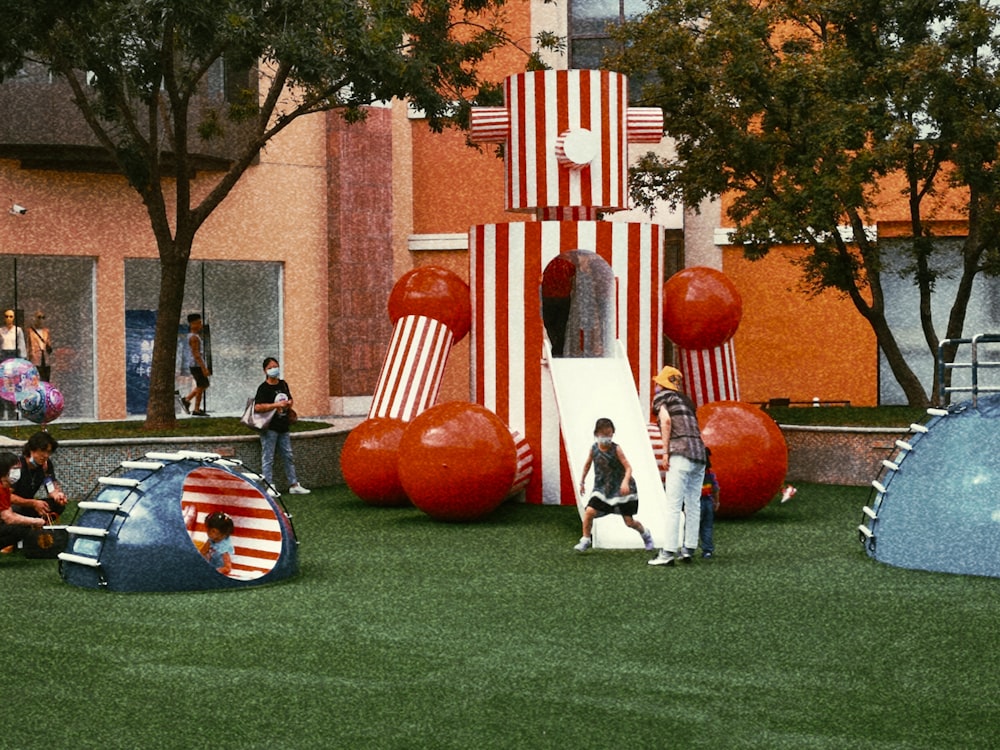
(435, 293)
(749, 455)
(701, 308)
(369, 462)
(457, 461)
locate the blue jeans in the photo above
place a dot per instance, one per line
(707, 521)
(683, 489)
(269, 440)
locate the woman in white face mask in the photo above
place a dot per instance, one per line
(13, 526)
(274, 395)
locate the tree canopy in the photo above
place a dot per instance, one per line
(799, 111)
(138, 72)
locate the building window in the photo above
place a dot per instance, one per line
(241, 303)
(589, 39)
(902, 303)
(61, 289)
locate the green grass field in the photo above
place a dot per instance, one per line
(401, 632)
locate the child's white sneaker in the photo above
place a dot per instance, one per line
(298, 489)
(647, 539)
(583, 545)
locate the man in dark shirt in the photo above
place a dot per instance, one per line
(38, 470)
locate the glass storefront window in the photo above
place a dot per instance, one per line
(241, 304)
(62, 289)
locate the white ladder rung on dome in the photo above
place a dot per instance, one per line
(890, 465)
(98, 505)
(866, 531)
(87, 531)
(150, 465)
(869, 512)
(118, 481)
(79, 559)
(919, 428)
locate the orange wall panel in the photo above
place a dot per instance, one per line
(790, 345)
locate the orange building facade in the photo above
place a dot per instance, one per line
(299, 261)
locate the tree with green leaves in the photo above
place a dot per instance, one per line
(138, 70)
(799, 111)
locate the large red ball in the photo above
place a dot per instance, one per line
(701, 308)
(749, 455)
(434, 293)
(457, 461)
(369, 462)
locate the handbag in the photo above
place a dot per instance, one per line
(256, 420)
(293, 416)
(45, 543)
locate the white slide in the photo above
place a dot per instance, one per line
(587, 389)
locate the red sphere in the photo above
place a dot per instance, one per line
(749, 455)
(457, 461)
(435, 293)
(701, 308)
(369, 462)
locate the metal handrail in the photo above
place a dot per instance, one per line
(975, 388)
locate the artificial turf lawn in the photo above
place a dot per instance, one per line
(401, 632)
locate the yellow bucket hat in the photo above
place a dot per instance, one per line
(669, 377)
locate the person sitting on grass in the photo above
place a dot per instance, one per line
(614, 487)
(13, 526)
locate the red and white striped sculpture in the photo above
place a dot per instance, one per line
(566, 135)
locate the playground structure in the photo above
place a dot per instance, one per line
(934, 504)
(566, 314)
(140, 530)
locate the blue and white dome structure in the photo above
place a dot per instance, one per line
(141, 529)
(935, 504)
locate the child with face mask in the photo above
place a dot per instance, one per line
(13, 526)
(614, 487)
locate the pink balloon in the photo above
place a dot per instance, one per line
(43, 405)
(18, 377)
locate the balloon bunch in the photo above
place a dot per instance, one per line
(38, 401)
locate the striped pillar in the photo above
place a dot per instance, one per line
(709, 374)
(411, 374)
(525, 462)
(506, 264)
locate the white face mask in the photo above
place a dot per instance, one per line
(274, 372)
(14, 474)
(605, 440)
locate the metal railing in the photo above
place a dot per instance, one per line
(975, 388)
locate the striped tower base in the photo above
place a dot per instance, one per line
(710, 374)
(506, 264)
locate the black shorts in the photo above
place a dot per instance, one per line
(626, 508)
(200, 378)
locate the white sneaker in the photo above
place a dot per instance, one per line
(664, 558)
(298, 489)
(647, 539)
(584, 544)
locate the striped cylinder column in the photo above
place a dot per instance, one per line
(525, 462)
(506, 264)
(709, 374)
(411, 374)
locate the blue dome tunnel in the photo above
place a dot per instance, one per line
(936, 503)
(141, 529)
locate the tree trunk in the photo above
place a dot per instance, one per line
(160, 410)
(908, 381)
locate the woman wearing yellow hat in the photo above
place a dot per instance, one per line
(684, 460)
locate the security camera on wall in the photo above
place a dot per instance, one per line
(18, 210)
